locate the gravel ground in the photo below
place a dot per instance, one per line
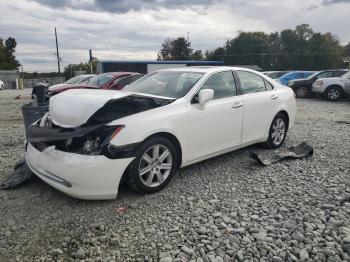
(223, 209)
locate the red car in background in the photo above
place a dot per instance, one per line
(111, 80)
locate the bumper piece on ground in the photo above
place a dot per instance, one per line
(299, 151)
(21, 174)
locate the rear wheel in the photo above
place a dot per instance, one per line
(301, 91)
(277, 132)
(333, 93)
(154, 166)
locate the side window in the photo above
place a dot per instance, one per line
(222, 83)
(325, 75)
(86, 80)
(250, 82)
(128, 80)
(268, 85)
(338, 73)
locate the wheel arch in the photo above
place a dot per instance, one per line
(166, 135)
(334, 85)
(342, 92)
(286, 115)
(172, 138)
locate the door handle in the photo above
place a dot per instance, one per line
(237, 105)
(274, 96)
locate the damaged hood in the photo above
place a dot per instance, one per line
(74, 107)
(77, 107)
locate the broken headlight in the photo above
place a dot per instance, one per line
(97, 141)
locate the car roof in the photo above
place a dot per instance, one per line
(120, 73)
(328, 70)
(205, 69)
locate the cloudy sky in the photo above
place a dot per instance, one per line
(134, 29)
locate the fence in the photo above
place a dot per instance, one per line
(29, 83)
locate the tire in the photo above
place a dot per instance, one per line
(333, 93)
(301, 91)
(275, 140)
(159, 172)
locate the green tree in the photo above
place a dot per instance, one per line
(215, 55)
(197, 55)
(175, 49)
(299, 48)
(69, 71)
(7, 54)
(249, 48)
(347, 50)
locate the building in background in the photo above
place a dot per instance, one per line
(10, 78)
(145, 67)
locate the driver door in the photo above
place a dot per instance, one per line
(217, 125)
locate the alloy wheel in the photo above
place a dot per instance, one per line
(278, 131)
(301, 92)
(155, 165)
(333, 94)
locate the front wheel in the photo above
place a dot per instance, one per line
(153, 167)
(301, 91)
(277, 132)
(333, 93)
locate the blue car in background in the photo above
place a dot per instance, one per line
(294, 75)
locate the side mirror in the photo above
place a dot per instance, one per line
(205, 95)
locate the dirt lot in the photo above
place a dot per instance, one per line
(222, 209)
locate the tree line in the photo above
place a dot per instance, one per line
(7, 54)
(299, 48)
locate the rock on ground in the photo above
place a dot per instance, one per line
(221, 209)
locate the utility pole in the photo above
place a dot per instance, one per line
(58, 55)
(188, 42)
(90, 59)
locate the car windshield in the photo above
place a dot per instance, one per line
(75, 80)
(347, 75)
(100, 79)
(174, 84)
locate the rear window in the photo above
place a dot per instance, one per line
(100, 79)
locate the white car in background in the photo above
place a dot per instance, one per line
(92, 139)
(2, 85)
(332, 88)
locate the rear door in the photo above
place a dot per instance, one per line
(260, 101)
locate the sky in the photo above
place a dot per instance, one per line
(135, 29)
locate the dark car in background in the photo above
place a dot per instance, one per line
(302, 87)
(111, 80)
(294, 75)
(275, 74)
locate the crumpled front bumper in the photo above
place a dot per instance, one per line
(80, 176)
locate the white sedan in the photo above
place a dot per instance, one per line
(92, 139)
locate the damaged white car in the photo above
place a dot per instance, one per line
(91, 140)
